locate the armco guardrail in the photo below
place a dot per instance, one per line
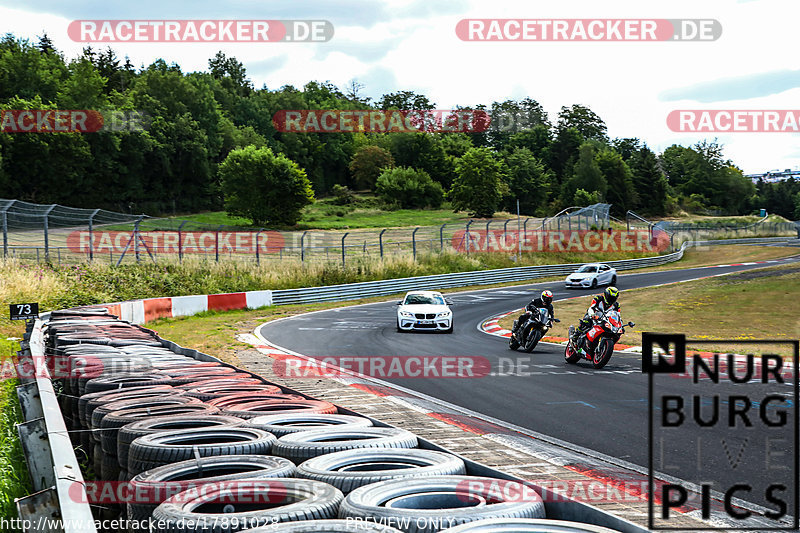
(58, 503)
(352, 291)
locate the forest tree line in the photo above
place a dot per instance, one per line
(198, 118)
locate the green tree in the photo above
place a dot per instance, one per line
(368, 163)
(586, 175)
(649, 181)
(423, 151)
(264, 187)
(405, 100)
(621, 193)
(409, 188)
(479, 184)
(583, 119)
(528, 181)
(582, 198)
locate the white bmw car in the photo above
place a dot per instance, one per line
(424, 310)
(591, 275)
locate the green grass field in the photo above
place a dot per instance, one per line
(366, 212)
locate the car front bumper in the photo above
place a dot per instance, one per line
(437, 324)
(582, 284)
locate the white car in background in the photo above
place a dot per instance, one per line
(424, 311)
(591, 275)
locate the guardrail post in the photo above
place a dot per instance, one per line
(302, 247)
(47, 234)
(380, 241)
(343, 238)
(414, 243)
(180, 242)
(505, 230)
(91, 234)
(466, 236)
(258, 246)
(441, 237)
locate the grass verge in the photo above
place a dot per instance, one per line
(14, 481)
(756, 304)
(61, 286)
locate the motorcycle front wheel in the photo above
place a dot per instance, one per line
(603, 353)
(570, 355)
(532, 340)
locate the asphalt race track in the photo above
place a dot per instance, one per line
(603, 410)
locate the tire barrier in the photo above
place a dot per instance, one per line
(202, 442)
(239, 398)
(304, 445)
(425, 505)
(261, 407)
(350, 469)
(157, 483)
(275, 500)
(210, 392)
(156, 424)
(285, 423)
(150, 451)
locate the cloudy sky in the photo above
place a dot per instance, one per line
(412, 45)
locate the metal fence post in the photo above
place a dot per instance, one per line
(466, 235)
(46, 235)
(343, 238)
(91, 234)
(302, 247)
(441, 238)
(258, 246)
(414, 243)
(180, 242)
(216, 243)
(136, 238)
(5, 234)
(486, 237)
(5, 226)
(505, 230)
(380, 241)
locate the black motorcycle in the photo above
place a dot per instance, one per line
(531, 331)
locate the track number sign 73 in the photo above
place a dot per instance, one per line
(24, 311)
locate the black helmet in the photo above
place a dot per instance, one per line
(547, 297)
(610, 295)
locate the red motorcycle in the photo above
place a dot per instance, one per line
(597, 344)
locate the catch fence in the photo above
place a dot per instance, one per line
(54, 233)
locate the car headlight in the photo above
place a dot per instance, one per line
(444, 314)
(406, 313)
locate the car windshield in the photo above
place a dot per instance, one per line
(421, 299)
(587, 268)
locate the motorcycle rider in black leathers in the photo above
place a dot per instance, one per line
(544, 301)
